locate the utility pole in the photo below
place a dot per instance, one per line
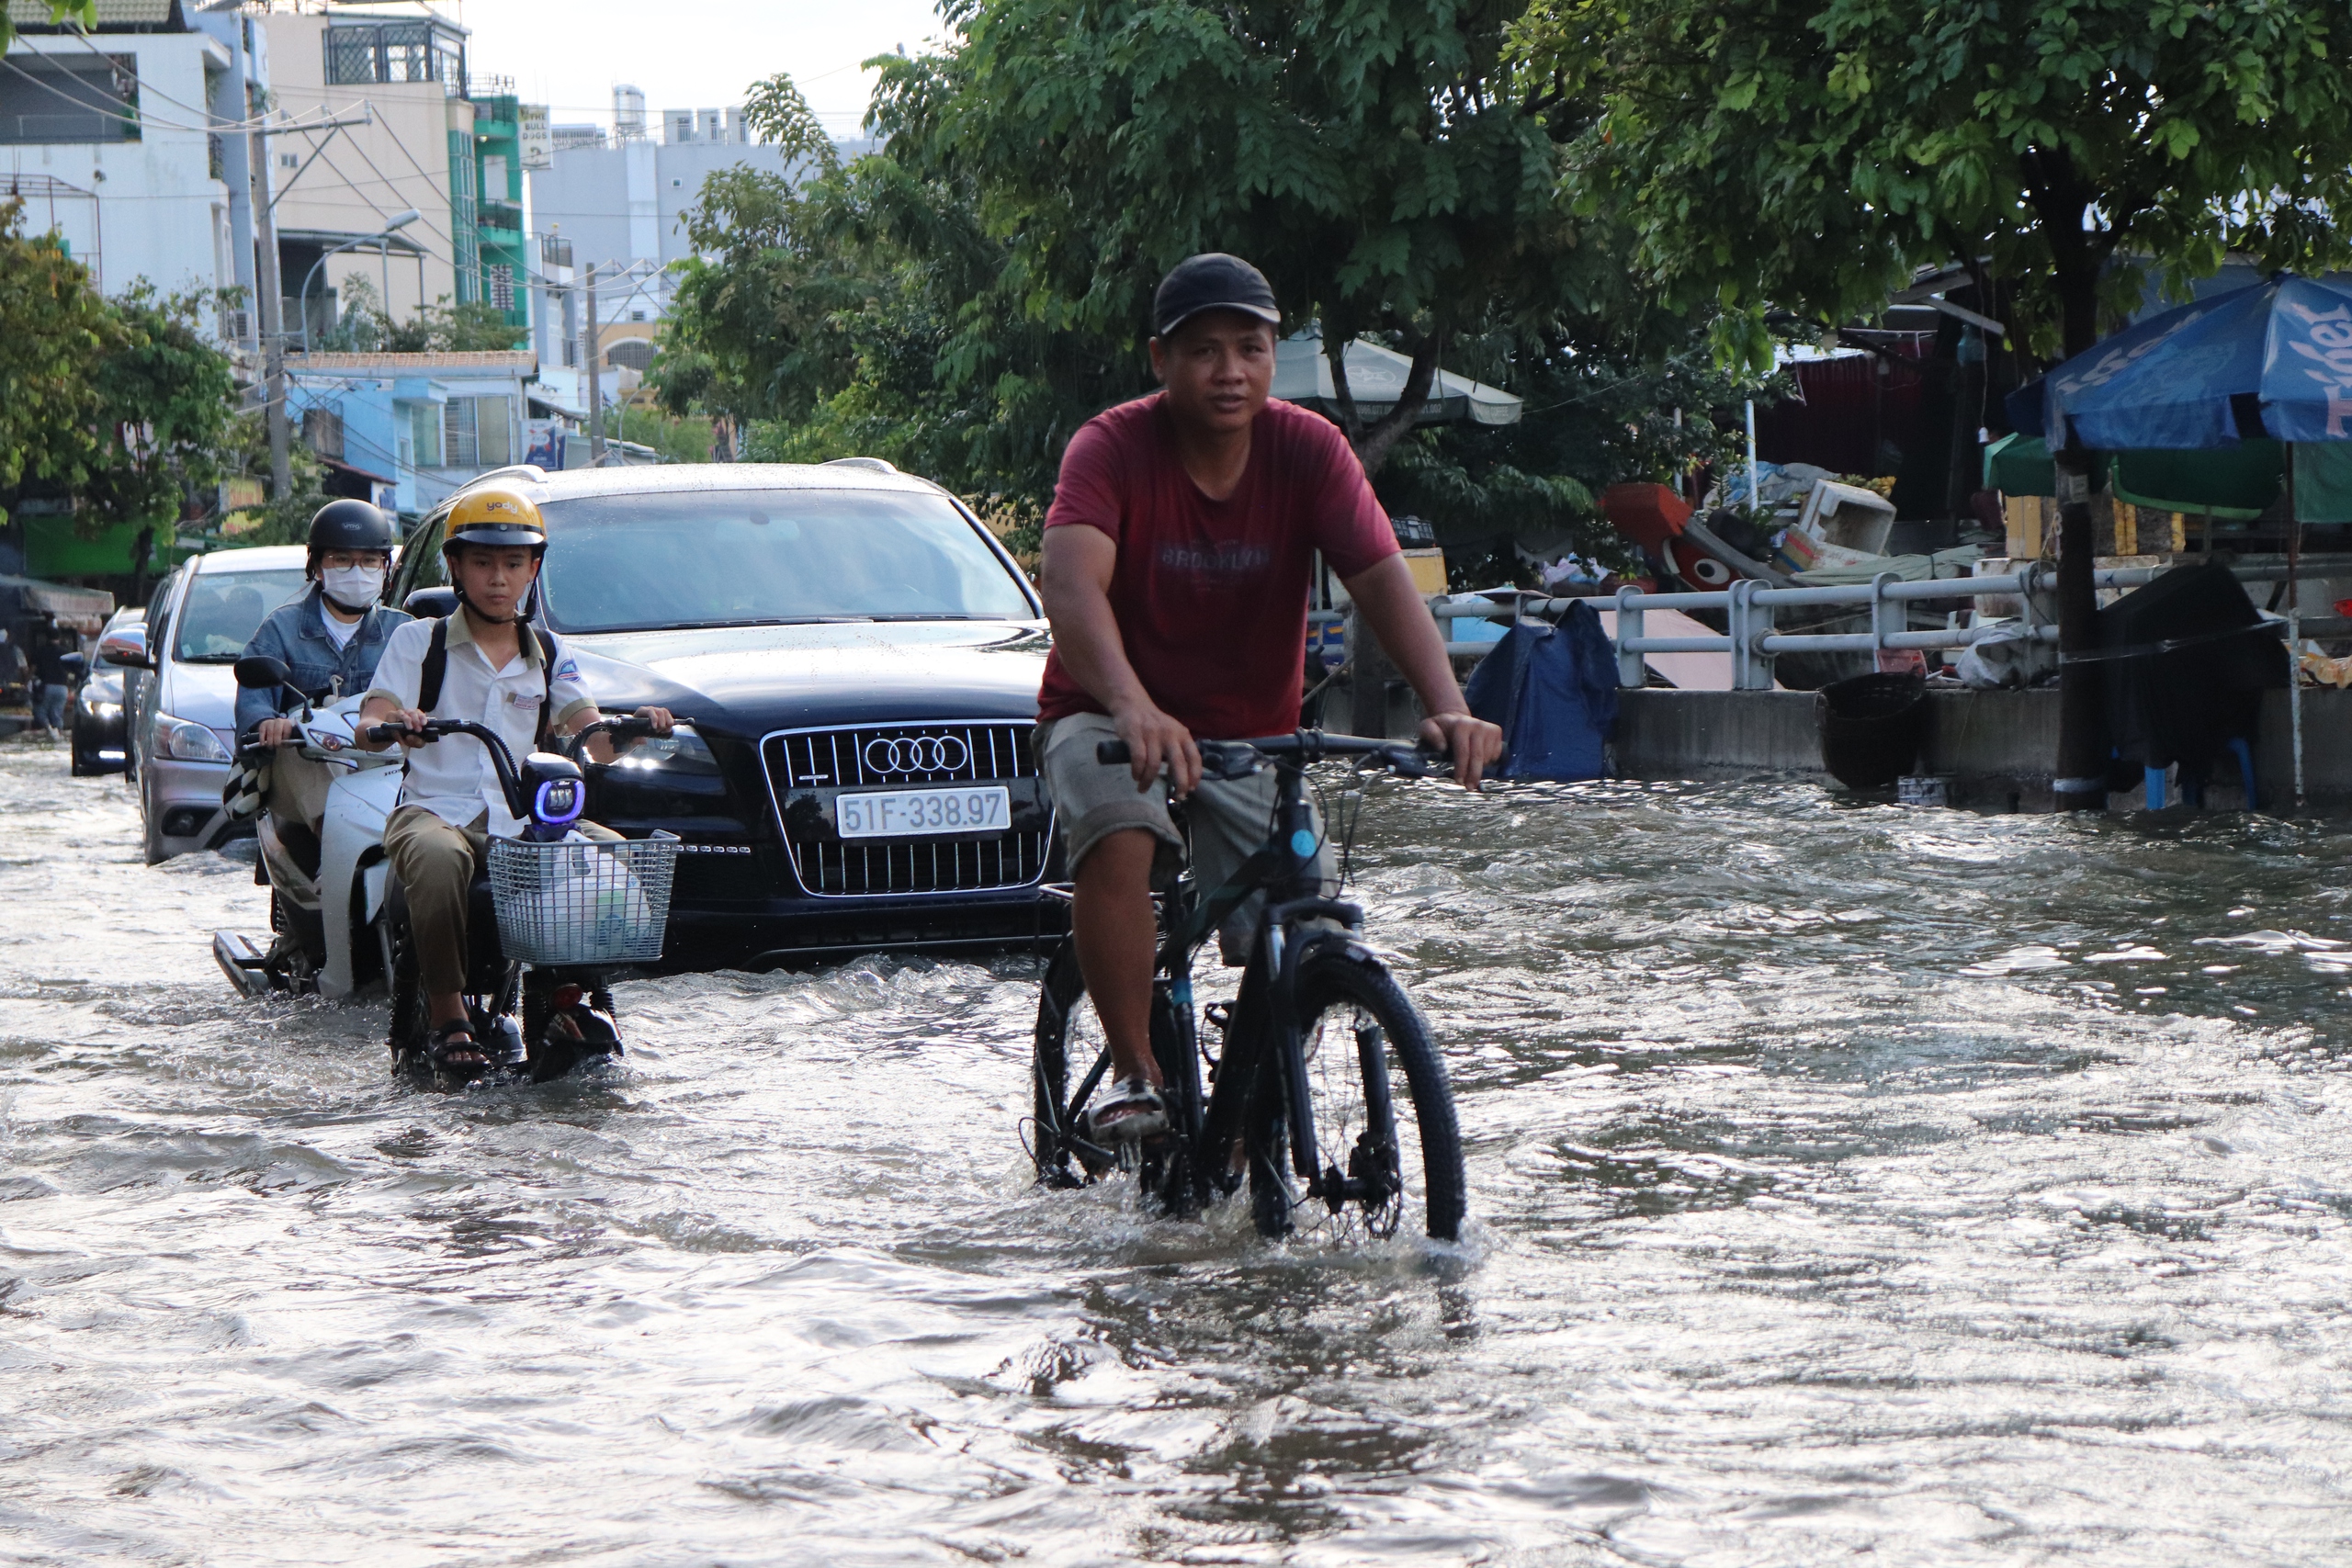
(595, 378)
(272, 318)
(2081, 784)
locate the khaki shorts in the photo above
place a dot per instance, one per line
(1227, 820)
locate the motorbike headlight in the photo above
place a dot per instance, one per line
(185, 742)
(681, 751)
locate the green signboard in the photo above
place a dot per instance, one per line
(54, 550)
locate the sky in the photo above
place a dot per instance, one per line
(569, 55)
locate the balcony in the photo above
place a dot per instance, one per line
(500, 220)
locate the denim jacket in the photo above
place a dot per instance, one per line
(297, 633)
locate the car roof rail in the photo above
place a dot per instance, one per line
(530, 471)
(878, 465)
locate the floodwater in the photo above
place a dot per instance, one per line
(1847, 1183)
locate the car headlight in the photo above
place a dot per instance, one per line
(681, 751)
(185, 742)
(105, 710)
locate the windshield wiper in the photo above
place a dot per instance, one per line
(936, 616)
(210, 657)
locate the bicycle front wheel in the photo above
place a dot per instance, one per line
(1387, 1144)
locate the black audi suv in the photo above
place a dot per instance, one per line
(859, 659)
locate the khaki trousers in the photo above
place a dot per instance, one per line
(436, 865)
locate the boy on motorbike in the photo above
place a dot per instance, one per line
(488, 664)
(330, 639)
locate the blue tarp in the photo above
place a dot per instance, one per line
(1553, 690)
(2275, 359)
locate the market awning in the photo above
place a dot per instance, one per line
(1377, 377)
(84, 608)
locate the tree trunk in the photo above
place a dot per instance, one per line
(1373, 442)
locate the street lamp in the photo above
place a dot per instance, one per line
(303, 301)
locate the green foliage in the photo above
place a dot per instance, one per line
(166, 396)
(961, 302)
(1806, 154)
(122, 404)
(82, 11)
(686, 440)
(365, 327)
(284, 519)
(53, 327)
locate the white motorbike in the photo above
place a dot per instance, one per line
(324, 926)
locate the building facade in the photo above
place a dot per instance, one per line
(408, 429)
(114, 141)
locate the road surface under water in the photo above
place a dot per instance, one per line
(1849, 1183)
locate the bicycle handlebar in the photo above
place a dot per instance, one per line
(1237, 759)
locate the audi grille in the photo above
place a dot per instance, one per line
(807, 770)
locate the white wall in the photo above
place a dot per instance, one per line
(158, 214)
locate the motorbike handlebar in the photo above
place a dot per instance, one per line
(624, 727)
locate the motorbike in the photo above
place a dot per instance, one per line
(326, 897)
(550, 917)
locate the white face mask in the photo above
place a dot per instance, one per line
(353, 588)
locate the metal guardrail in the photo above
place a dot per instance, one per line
(1752, 607)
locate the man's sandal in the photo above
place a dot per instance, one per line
(1133, 1109)
(453, 1056)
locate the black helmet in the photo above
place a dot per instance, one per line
(502, 519)
(349, 525)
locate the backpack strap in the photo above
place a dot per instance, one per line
(547, 685)
(435, 666)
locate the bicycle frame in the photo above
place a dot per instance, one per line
(1264, 1029)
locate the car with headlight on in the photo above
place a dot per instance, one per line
(858, 657)
(182, 723)
(99, 734)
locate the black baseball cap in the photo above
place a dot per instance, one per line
(1212, 281)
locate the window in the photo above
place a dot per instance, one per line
(501, 286)
(225, 608)
(493, 431)
(396, 51)
(44, 98)
(424, 434)
(797, 555)
(458, 434)
(631, 354)
(474, 432)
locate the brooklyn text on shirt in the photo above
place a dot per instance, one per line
(1226, 560)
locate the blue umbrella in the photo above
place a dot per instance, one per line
(2274, 359)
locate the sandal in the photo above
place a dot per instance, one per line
(449, 1053)
(1134, 1110)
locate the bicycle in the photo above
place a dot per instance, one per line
(1309, 1053)
(548, 916)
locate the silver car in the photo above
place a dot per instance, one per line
(183, 727)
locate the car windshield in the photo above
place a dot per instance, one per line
(745, 557)
(225, 608)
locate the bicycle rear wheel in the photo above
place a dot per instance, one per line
(1387, 1140)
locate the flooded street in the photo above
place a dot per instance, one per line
(1847, 1183)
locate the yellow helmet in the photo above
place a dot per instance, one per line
(497, 517)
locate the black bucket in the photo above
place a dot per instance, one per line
(1872, 728)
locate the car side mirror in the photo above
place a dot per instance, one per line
(126, 647)
(431, 604)
(260, 673)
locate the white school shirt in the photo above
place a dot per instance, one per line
(453, 778)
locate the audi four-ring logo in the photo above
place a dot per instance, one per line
(916, 754)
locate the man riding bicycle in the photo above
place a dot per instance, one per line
(1178, 558)
(486, 663)
(330, 640)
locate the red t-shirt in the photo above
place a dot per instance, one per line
(1211, 596)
